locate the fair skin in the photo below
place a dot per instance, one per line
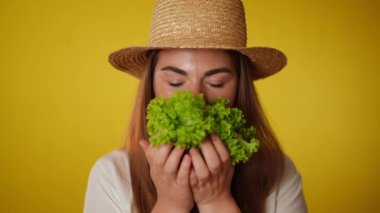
(202, 176)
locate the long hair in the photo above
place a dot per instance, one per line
(252, 181)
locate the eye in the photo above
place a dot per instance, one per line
(175, 84)
(216, 85)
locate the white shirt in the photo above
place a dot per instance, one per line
(109, 188)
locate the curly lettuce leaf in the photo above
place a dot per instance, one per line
(185, 120)
(181, 119)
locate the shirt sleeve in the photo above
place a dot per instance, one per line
(104, 191)
(290, 198)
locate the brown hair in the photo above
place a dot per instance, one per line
(252, 182)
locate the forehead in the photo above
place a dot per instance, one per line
(195, 58)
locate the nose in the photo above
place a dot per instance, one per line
(196, 88)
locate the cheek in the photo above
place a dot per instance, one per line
(228, 92)
(161, 89)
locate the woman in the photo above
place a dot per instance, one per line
(197, 46)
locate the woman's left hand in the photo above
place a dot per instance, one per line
(211, 177)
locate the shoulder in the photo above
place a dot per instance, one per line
(112, 165)
(109, 186)
(291, 181)
(288, 195)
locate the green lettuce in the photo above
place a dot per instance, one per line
(186, 120)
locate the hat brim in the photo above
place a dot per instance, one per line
(266, 60)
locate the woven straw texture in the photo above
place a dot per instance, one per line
(210, 24)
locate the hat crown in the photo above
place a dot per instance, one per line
(198, 24)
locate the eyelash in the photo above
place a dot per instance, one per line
(212, 85)
(217, 85)
(175, 84)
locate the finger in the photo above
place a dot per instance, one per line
(221, 149)
(184, 171)
(144, 144)
(161, 153)
(158, 155)
(193, 178)
(199, 164)
(211, 157)
(173, 161)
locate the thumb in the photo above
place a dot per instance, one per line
(144, 144)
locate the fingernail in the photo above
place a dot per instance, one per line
(193, 151)
(187, 158)
(143, 144)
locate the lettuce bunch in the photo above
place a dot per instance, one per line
(186, 120)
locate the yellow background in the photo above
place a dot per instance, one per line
(63, 106)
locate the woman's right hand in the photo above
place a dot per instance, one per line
(170, 176)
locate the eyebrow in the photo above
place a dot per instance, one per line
(208, 73)
(174, 69)
(218, 70)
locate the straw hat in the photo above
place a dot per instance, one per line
(211, 24)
